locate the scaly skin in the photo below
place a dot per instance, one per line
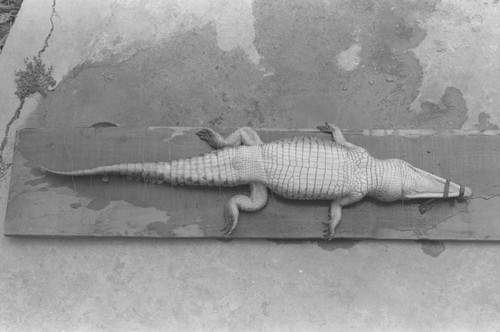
(306, 168)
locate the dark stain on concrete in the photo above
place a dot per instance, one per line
(450, 113)
(41, 178)
(98, 203)
(36, 173)
(123, 140)
(432, 248)
(337, 244)
(301, 51)
(161, 228)
(34, 182)
(75, 205)
(483, 122)
(103, 125)
(188, 80)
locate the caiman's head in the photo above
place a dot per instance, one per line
(398, 179)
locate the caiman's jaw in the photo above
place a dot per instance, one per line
(422, 184)
(396, 179)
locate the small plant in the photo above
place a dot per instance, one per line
(35, 78)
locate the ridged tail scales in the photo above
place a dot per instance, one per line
(211, 169)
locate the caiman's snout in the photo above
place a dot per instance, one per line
(422, 184)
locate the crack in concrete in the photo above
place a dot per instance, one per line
(17, 113)
(452, 216)
(46, 42)
(486, 198)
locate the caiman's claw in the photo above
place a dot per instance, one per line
(204, 134)
(328, 233)
(209, 136)
(229, 225)
(326, 128)
(231, 218)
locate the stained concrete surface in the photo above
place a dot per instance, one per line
(362, 64)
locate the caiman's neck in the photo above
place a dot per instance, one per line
(384, 176)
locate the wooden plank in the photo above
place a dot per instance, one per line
(49, 205)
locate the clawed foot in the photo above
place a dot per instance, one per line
(209, 136)
(231, 214)
(330, 129)
(337, 135)
(326, 128)
(229, 225)
(328, 233)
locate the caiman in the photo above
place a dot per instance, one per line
(304, 168)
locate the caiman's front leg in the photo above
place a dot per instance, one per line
(257, 200)
(242, 136)
(337, 135)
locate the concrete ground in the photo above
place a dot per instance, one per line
(297, 63)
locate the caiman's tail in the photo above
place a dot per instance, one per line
(211, 169)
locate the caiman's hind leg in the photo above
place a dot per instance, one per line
(257, 200)
(336, 214)
(258, 192)
(242, 136)
(331, 224)
(337, 135)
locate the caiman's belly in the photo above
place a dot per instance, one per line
(307, 183)
(305, 168)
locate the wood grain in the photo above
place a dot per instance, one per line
(48, 205)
